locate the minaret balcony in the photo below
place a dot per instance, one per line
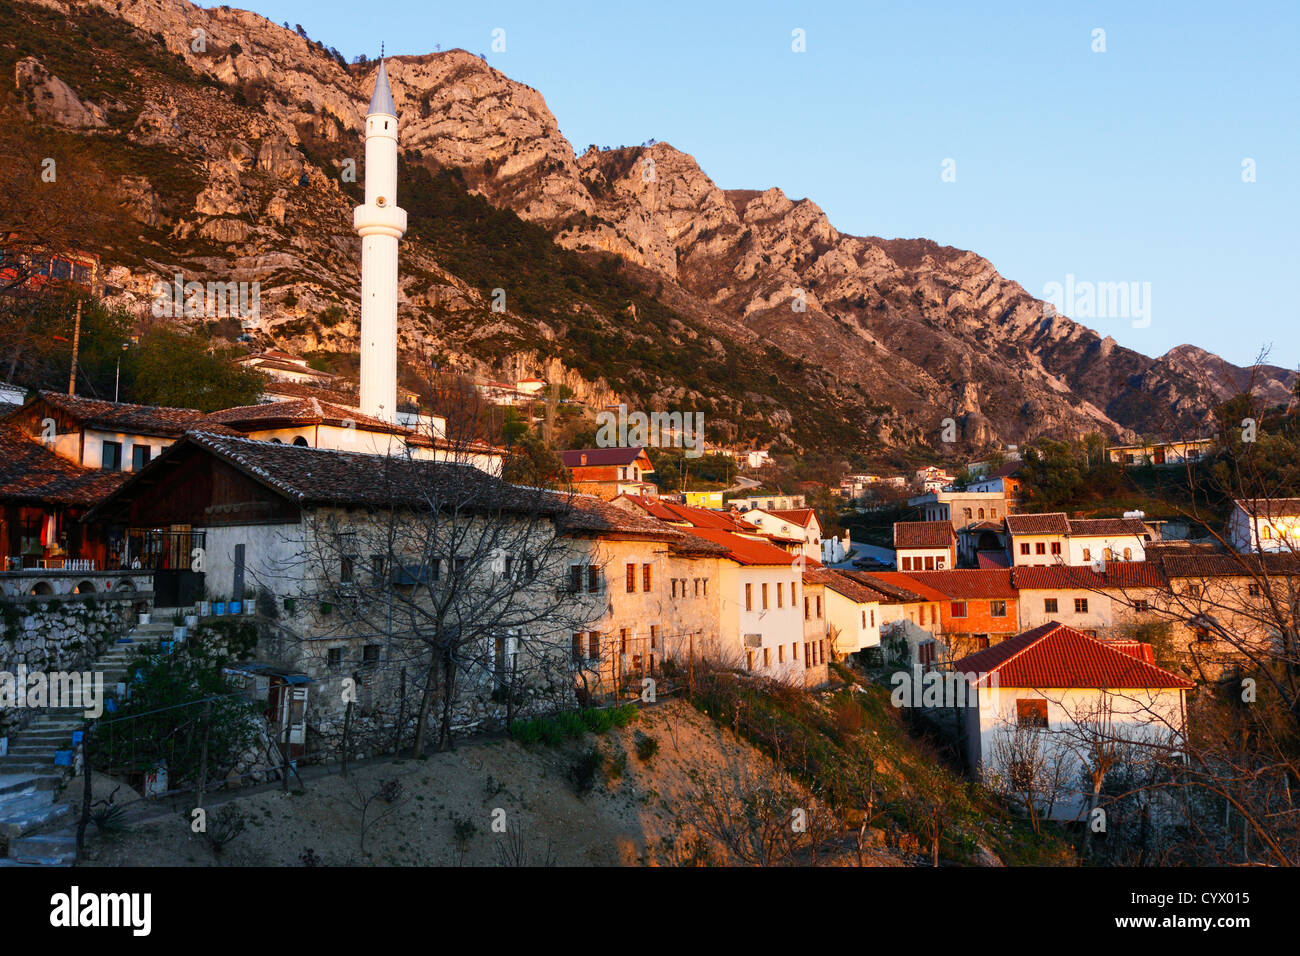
(372, 220)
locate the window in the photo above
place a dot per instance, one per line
(966, 511)
(749, 597)
(780, 588)
(631, 578)
(654, 636)
(807, 608)
(370, 653)
(1087, 554)
(347, 568)
(1024, 547)
(764, 587)
(749, 660)
(674, 590)
(577, 648)
(864, 618)
(1252, 590)
(1128, 554)
(1056, 547)
(1040, 547)
(335, 657)
(929, 563)
(767, 657)
(981, 514)
(594, 580)
(993, 512)
(997, 608)
(111, 456)
(1141, 604)
(958, 609)
(622, 640)
(780, 653)
(646, 579)
(1080, 605)
(140, 455)
(378, 564)
(1031, 713)
(907, 564)
(1202, 632)
(1194, 590)
(575, 578)
(872, 616)
(819, 606)
(593, 646)
(807, 654)
(459, 566)
(1049, 606)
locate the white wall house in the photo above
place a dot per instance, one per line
(1054, 538)
(799, 523)
(1265, 525)
(1060, 689)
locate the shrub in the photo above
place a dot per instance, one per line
(646, 747)
(226, 824)
(583, 771)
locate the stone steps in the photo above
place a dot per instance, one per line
(57, 848)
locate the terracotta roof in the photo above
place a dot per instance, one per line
(1118, 574)
(986, 525)
(1228, 565)
(30, 472)
(992, 559)
(156, 420)
(259, 362)
(1107, 527)
(923, 534)
(800, 516)
(1054, 522)
(600, 456)
(856, 591)
(901, 582)
(968, 582)
(675, 513)
(745, 550)
(1054, 656)
(303, 390)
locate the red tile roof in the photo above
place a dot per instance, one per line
(31, 473)
(960, 584)
(992, 559)
(596, 457)
(1227, 564)
(157, 420)
(1118, 574)
(1107, 527)
(1054, 656)
(803, 517)
(745, 550)
(854, 590)
(923, 534)
(1269, 507)
(1054, 522)
(899, 581)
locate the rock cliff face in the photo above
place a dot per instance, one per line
(878, 341)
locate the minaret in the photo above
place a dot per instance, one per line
(380, 223)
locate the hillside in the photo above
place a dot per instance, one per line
(626, 273)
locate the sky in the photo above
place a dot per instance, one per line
(1162, 153)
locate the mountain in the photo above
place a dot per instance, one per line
(226, 143)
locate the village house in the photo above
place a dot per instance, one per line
(981, 606)
(768, 502)
(108, 436)
(1005, 480)
(798, 523)
(688, 516)
(1055, 680)
(816, 632)
(761, 607)
(1055, 538)
(1161, 452)
(851, 608)
(904, 598)
(960, 508)
(932, 478)
(280, 366)
(983, 544)
(312, 423)
(1265, 525)
(610, 472)
(924, 546)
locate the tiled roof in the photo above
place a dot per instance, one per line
(1228, 565)
(852, 589)
(30, 472)
(923, 534)
(303, 390)
(1007, 470)
(130, 419)
(800, 516)
(675, 513)
(1058, 577)
(1106, 527)
(1054, 656)
(283, 366)
(599, 456)
(746, 550)
(1054, 522)
(968, 582)
(908, 588)
(992, 559)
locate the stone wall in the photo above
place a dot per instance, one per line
(57, 633)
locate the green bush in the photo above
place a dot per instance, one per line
(646, 747)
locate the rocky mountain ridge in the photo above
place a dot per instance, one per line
(887, 343)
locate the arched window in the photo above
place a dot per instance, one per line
(276, 441)
(300, 442)
(981, 514)
(41, 587)
(1268, 533)
(1128, 554)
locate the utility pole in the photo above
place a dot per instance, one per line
(117, 376)
(76, 345)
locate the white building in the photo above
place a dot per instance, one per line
(1265, 525)
(1055, 538)
(1052, 690)
(791, 523)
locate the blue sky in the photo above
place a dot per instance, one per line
(1115, 166)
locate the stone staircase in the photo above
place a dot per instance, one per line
(42, 756)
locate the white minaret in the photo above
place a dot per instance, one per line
(380, 223)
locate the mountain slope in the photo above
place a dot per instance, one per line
(231, 161)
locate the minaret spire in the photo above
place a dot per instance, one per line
(381, 223)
